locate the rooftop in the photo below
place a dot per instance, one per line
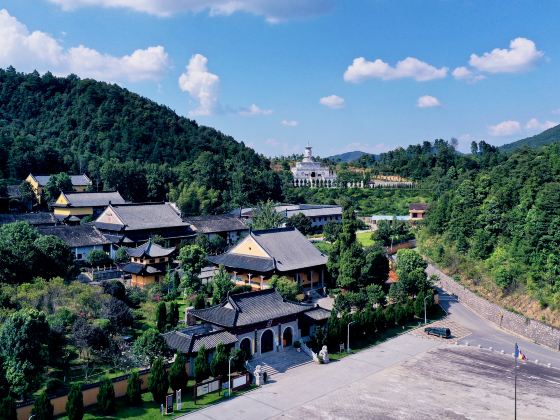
(76, 236)
(91, 199)
(418, 206)
(77, 180)
(189, 340)
(216, 223)
(150, 250)
(35, 219)
(140, 216)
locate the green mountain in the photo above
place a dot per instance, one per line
(347, 157)
(122, 141)
(546, 137)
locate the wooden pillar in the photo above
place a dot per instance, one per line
(262, 282)
(311, 279)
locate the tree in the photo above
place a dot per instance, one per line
(375, 294)
(192, 259)
(199, 301)
(75, 403)
(301, 222)
(265, 216)
(43, 409)
(173, 315)
(376, 267)
(106, 396)
(134, 389)
(238, 359)
(7, 408)
(149, 345)
(54, 257)
(158, 384)
(121, 256)
(219, 364)
(97, 258)
(58, 183)
(24, 348)
(331, 231)
(201, 368)
(161, 316)
(221, 284)
(118, 313)
(115, 288)
(178, 377)
(18, 254)
(411, 270)
(287, 288)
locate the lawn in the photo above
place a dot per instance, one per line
(364, 238)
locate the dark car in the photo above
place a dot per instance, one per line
(439, 331)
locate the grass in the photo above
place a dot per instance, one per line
(364, 238)
(324, 247)
(151, 410)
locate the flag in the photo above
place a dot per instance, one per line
(522, 355)
(518, 354)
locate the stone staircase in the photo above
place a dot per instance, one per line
(279, 362)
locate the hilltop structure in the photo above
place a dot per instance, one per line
(308, 172)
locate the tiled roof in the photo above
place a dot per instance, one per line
(289, 248)
(77, 180)
(92, 199)
(76, 236)
(136, 268)
(147, 216)
(418, 206)
(36, 219)
(250, 308)
(216, 223)
(192, 338)
(149, 249)
(318, 314)
(316, 211)
(244, 262)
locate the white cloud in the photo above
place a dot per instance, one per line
(536, 125)
(332, 101)
(201, 85)
(463, 73)
(521, 56)
(427, 101)
(505, 128)
(274, 11)
(28, 51)
(410, 67)
(290, 123)
(254, 110)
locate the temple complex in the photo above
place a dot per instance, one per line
(308, 172)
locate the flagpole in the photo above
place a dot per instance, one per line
(515, 392)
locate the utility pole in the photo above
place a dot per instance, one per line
(348, 337)
(515, 392)
(229, 376)
(425, 313)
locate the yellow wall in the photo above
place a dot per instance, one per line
(249, 246)
(142, 281)
(35, 186)
(73, 211)
(80, 188)
(61, 199)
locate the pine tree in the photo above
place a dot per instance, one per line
(161, 316)
(75, 403)
(158, 384)
(134, 389)
(178, 376)
(201, 369)
(43, 409)
(106, 396)
(173, 315)
(219, 364)
(8, 409)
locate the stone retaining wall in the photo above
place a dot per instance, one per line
(533, 330)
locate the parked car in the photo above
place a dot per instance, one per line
(439, 331)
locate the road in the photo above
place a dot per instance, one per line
(487, 334)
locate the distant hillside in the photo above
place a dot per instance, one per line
(122, 141)
(546, 137)
(347, 157)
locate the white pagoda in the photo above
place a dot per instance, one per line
(312, 174)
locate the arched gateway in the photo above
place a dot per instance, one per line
(267, 341)
(287, 337)
(245, 345)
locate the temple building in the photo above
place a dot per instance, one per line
(282, 251)
(80, 183)
(74, 206)
(148, 263)
(311, 173)
(417, 211)
(258, 322)
(226, 226)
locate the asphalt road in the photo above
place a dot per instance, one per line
(487, 334)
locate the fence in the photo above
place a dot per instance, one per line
(89, 393)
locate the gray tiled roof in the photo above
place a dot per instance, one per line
(76, 236)
(418, 206)
(289, 248)
(35, 219)
(191, 339)
(245, 262)
(149, 249)
(136, 268)
(92, 199)
(148, 216)
(77, 180)
(216, 223)
(316, 211)
(250, 308)
(318, 314)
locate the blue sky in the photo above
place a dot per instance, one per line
(259, 68)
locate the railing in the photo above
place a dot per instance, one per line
(309, 352)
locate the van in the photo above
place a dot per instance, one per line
(439, 331)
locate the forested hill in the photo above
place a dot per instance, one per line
(546, 137)
(347, 157)
(50, 124)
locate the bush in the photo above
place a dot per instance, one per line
(97, 258)
(106, 396)
(219, 364)
(134, 389)
(54, 384)
(158, 384)
(201, 368)
(178, 377)
(199, 302)
(149, 345)
(43, 409)
(161, 316)
(241, 289)
(75, 403)
(8, 408)
(136, 296)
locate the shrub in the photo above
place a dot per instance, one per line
(178, 377)
(219, 364)
(106, 396)
(201, 368)
(134, 389)
(158, 384)
(8, 409)
(75, 403)
(98, 257)
(240, 289)
(199, 302)
(43, 409)
(161, 316)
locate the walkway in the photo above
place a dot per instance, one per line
(279, 362)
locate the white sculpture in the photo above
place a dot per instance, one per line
(324, 355)
(259, 375)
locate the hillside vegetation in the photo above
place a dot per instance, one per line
(546, 137)
(123, 141)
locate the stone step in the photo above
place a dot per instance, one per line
(278, 362)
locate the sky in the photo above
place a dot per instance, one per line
(343, 75)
